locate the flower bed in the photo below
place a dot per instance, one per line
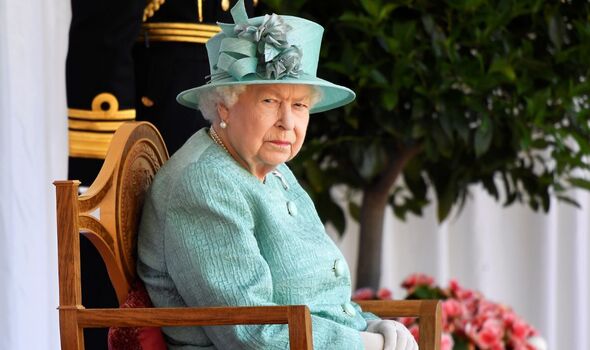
(470, 321)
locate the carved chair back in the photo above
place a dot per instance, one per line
(109, 211)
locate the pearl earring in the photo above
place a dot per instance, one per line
(223, 125)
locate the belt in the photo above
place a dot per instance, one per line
(178, 32)
(90, 131)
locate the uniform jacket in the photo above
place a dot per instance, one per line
(212, 234)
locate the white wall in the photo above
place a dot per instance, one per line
(33, 140)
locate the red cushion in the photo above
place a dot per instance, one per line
(136, 338)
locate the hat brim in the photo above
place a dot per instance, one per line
(333, 96)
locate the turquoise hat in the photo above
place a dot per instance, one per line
(269, 49)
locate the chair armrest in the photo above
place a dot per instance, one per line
(427, 311)
(297, 317)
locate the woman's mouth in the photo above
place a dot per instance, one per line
(280, 143)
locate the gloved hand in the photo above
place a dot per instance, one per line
(372, 341)
(395, 335)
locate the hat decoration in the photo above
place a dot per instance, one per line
(269, 49)
(262, 49)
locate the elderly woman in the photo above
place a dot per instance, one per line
(226, 223)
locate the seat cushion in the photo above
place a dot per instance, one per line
(136, 338)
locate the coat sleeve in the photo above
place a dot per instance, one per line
(214, 260)
(366, 315)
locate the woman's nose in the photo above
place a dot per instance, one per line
(286, 117)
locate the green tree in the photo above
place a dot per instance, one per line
(449, 94)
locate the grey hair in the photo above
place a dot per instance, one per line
(228, 96)
(317, 95)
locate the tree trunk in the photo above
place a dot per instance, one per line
(375, 200)
(371, 238)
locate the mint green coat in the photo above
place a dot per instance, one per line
(212, 234)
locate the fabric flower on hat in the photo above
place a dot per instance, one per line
(270, 36)
(286, 64)
(263, 49)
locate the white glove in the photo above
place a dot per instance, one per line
(372, 341)
(396, 336)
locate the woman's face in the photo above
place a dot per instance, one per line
(266, 126)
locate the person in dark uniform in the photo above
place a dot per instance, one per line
(171, 57)
(127, 60)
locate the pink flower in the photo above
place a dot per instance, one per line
(384, 294)
(490, 335)
(451, 311)
(415, 331)
(363, 294)
(417, 279)
(446, 342)
(368, 294)
(521, 330)
(451, 308)
(455, 289)
(454, 286)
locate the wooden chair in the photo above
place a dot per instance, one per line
(108, 214)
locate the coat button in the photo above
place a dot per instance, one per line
(339, 267)
(292, 208)
(349, 309)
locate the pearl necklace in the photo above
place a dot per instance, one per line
(217, 139)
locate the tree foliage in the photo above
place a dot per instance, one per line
(463, 91)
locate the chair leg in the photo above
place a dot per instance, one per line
(300, 335)
(68, 249)
(430, 323)
(71, 335)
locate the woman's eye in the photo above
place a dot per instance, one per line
(301, 105)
